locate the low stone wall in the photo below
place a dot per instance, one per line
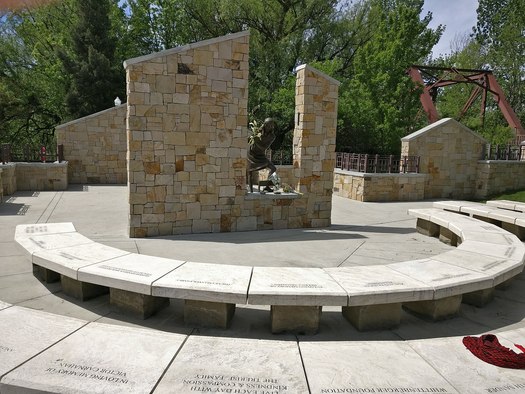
(498, 176)
(8, 184)
(41, 176)
(95, 147)
(379, 187)
(33, 176)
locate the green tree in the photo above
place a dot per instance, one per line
(379, 104)
(500, 30)
(96, 79)
(32, 84)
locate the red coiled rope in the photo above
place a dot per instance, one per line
(488, 349)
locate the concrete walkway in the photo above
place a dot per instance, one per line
(417, 356)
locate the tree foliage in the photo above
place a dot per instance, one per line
(64, 60)
(90, 63)
(497, 44)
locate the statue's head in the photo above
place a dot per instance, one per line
(269, 125)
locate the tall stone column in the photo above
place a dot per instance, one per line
(314, 142)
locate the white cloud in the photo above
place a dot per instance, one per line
(459, 16)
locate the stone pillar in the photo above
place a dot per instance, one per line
(314, 142)
(187, 137)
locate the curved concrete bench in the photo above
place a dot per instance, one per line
(510, 220)
(507, 204)
(371, 297)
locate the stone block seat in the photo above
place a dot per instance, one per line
(371, 297)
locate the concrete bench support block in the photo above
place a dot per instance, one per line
(82, 291)
(488, 220)
(479, 298)
(448, 237)
(518, 231)
(505, 285)
(427, 228)
(435, 310)
(45, 275)
(208, 314)
(140, 305)
(295, 319)
(373, 317)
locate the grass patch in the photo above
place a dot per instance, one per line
(513, 196)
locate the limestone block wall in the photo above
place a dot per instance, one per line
(8, 178)
(95, 147)
(379, 187)
(41, 176)
(496, 176)
(187, 137)
(449, 155)
(314, 142)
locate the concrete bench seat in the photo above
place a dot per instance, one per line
(210, 291)
(296, 296)
(512, 221)
(482, 247)
(507, 204)
(371, 297)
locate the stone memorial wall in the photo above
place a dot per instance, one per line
(449, 154)
(314, 142)
(95, 147)
(188, 141)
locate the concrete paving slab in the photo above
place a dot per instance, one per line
(12, 265)
(373, 367)
(26, 332)
(475, 376)
(96, 359)
(380, 231)
(233, 365)
(21, 287)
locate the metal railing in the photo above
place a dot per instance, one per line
(504, 152)
(280, 157)
(381, 164)
(28, 153)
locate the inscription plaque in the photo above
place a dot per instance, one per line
(98, 358)
(235, 366)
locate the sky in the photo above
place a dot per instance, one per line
(459, 16)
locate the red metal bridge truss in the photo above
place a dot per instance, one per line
(433, 78)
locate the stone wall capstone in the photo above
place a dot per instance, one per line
(95, 147)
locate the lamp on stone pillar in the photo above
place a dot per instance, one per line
(117, 102)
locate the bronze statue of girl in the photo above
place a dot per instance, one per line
(257, 152)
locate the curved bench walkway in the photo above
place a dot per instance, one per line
(91, 356)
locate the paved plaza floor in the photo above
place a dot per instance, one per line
(419, 356)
